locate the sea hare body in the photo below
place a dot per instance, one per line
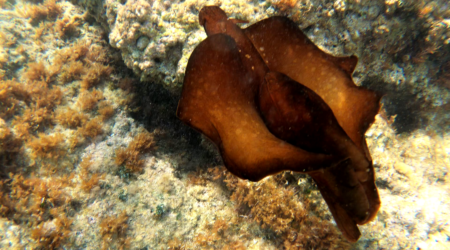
(272, 101)
(219, 100)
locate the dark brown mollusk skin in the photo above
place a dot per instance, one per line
(286, 49)
(272, 101)
(218, 99)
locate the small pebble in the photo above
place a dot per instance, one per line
(142, 42)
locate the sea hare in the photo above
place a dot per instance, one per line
(271, 101)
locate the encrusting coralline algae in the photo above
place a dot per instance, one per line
(67, 102)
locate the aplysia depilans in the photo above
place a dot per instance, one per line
(272, 101)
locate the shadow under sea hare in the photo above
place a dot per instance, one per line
(272, 101)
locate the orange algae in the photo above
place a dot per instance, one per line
(199, 177)
(11, 93)
(36, 71)
(87, 100)
(8, 142)
(39, 204)
(48, 10)
(10, 148)
(38, 197)
(221, 235)
(142, 142)
(37, 112)
(89, 180)
(105, 110)
(71, 71)
(20, 49)
(33, 118)
(35, 98)
(39, 32)
(47, 146)
(92, 128)
(53, 234)
(22, 130)
(67, 27)
(175, 244)
(285, 5)
(70, 118)
(77, 52)
(84, 62)
(46, 98)
(97, 54)
(94, 74)
(113, 231)
(131, 156)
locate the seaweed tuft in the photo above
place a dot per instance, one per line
(70, 118)
(92, 128)
(89, 180)
(48, 10)
(113, 231)
(131, 156)
(52, 234)
(67, 27)
(47, 146)
(94, 74)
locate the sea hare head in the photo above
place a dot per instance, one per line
(213, 19)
